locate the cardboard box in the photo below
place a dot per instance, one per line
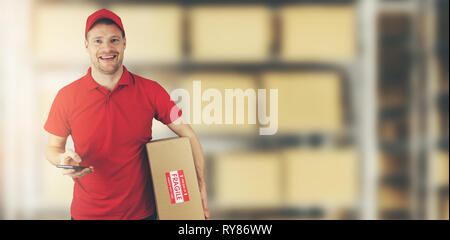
(391, 198)
(321, 177)
(174, 178)
(231, 33)
(307, 101)
(442, 168)
(221, 81)
(318, 33)
(247, 180)
(445, 212)
(391, 164)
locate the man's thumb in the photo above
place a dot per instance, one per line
(73, 155)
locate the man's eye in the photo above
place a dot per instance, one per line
(97, 41)
(115, 40)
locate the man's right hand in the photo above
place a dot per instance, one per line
(72, 158)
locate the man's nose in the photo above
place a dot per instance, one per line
(107, 45)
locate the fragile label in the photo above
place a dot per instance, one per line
(176, 182)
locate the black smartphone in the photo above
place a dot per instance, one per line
(77, 168)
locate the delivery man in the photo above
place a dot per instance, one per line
(109, 112)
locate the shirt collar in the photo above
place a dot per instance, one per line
(92, 84)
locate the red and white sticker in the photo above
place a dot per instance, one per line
(176, 182)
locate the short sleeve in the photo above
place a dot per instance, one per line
(166, 111)
(57, 122)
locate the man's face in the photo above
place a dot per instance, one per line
(105, 46)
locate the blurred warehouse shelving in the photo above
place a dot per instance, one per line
(263, 58)
(442, 51)
(414, 155)
(394, 89)
(344, 70)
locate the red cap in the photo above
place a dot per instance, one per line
(103, 13)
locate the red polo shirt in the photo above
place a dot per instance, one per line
(109, 131)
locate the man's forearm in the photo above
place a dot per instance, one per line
(53, 154)
(184, 130)
(199, 161)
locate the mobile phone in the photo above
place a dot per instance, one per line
(77, 168)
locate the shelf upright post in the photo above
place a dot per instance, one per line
(428, 30)
(366, 113)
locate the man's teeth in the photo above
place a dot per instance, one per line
(108, 57)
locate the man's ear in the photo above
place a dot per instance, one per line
(124, 43)
(86, 44)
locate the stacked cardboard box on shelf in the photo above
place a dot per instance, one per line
(318, 33)
(232, 33)
(307, 101)
(247, 180)
(391, 164)
(299, 178)
(446, 209)
(321, 177)
(392, 199)
(442, 174)
(220, 82)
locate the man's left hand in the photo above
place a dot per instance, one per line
(205, 203)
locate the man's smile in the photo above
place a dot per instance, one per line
(108, 58)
